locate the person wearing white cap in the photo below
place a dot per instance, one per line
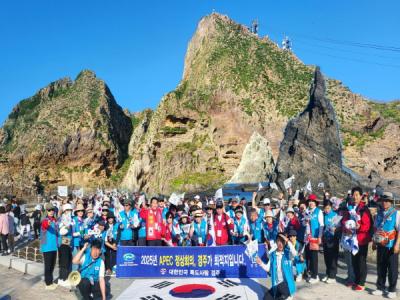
(65, 249)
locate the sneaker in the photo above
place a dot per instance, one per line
(324, 279)
(359, 288)
(330, 280)
(392, 295)
(377, 293)
(50, 287)
(64, 283)
(313, 281)
(299, 278)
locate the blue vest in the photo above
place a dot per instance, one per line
(201, 230)
(328, 224)
(387, 224)
(127, 220)
(256, 229)
(91, 270)
(314, 224)
(239, 228)
(49, 238)
(270, 234)
(164, 213)
(286, 266)
(78, 227)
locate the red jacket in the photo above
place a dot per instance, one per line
(365, 222)
(154, 222)
(222, 229)
(166, 233)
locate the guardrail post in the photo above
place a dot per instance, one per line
(26, 253)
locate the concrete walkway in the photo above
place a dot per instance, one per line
(16, 285)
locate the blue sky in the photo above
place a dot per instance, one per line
(138, 47)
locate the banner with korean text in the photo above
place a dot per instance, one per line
(221, 261)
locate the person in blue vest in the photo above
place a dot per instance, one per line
(65, 241)
(231, 211)
(78, 229)
(49, 245)
(198, 230)
(256, 226)
(270, 228)
(280, 269)
(129, 219)
(92, 269)
(330, 242)
(298, 260)
(315, 226)
(241, 227)
(386, 241)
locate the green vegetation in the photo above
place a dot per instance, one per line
(201, 181)
(247, 106)
(173, 130)
(359, 139)
(119, 175)
(94, 102)
(389, 111)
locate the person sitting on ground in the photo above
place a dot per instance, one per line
(92, 269)
(280, 269)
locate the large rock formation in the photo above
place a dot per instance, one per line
(311, 148)
(235, 83)
(68, 131)
(257, 162)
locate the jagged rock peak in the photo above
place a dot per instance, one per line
(312, 144)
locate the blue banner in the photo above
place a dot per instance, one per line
(220, 261)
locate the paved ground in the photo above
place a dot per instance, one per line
(15, 285)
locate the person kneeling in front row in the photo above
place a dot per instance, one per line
(92, 271)
(281, 270)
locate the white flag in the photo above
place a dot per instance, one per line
(288, 182)
(175, 198)
(218, 194)
(62, 191)
(308, 186)
(321, 185)
(273, 185)
(142, 199)
(260, 186)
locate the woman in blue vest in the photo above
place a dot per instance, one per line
(78, 230)
(330, 241)
(65, 249)
(280, 269)
(92, 269)
(298, 260)
(256, 226)
(386, 241)
(49, 245)
(129, 219)
(198, 230)
(314, 231)
(270, 227)
(241, 227)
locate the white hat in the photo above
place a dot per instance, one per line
(38, 207)
(290, 210)
(197, 197)
(67, 206)
(266, 201)
(269, 213)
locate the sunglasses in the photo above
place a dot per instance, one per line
(52, 209)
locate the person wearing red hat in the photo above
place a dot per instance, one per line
(315, 225)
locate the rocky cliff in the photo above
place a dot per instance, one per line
(311, 149)
(68, 131)
(235, 84)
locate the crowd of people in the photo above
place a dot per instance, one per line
(83, 232)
